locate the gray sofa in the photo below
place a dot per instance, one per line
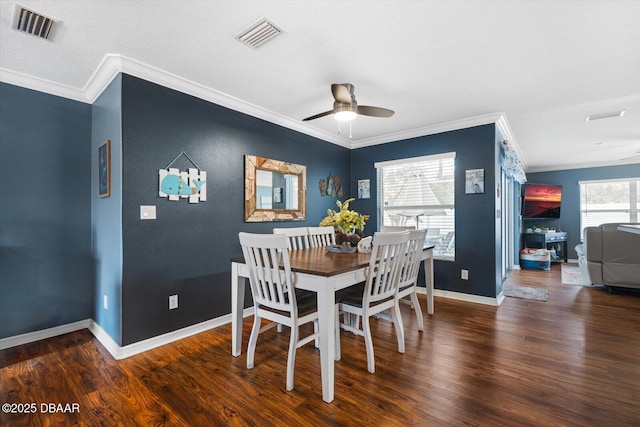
(610, 257)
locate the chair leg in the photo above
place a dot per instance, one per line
(368, 342)
(291, 358)
(251, 349)
(279, 328)
(416, 307)
(397, 324)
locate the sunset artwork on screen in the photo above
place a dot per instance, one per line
(542, 201)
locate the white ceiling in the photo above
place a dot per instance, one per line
(546, 65)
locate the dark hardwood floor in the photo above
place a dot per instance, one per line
(571, 361)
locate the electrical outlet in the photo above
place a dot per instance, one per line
(464, 274)
(105, 302)
(147, 212)
(173, 302)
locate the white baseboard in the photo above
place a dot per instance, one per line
(105, 339)
(109, 343)
(462, 297)
(43, 334)
(467, 297)
(141, 346)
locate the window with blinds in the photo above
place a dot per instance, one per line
(419, 192)
(616, 200)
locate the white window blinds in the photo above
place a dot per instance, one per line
(419, 192)
(616, 200)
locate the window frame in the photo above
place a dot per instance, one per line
(633, 201)
(449, 255)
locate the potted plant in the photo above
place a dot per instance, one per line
(349, 224)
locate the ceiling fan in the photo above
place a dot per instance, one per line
(345, 107)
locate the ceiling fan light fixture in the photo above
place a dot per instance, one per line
(345, 116)
(344, 112)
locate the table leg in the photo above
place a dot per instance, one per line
(326, 319)
(237, 306)
(428, 279)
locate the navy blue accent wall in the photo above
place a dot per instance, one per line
(569, 220)
(106, 212)
(46, 277)
(187, 250)
(475, 213)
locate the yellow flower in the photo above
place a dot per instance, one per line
(344, 220)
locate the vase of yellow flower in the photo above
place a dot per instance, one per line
(349, 224)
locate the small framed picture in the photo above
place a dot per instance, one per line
(364, 189)
(474, 181)
(104, 169)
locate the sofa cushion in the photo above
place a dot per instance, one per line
(619, 247)
(593, 243)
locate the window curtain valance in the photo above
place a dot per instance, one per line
(511, 163)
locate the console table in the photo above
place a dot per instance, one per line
(547, 240)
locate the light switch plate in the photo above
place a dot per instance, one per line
(173, 302)
(147, 212)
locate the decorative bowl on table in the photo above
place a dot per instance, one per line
(341, 249)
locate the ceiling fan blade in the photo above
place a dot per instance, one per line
(367, 110)
(317, 116)
(343, 92)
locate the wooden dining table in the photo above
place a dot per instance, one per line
(322, 272)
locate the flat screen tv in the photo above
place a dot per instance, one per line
(541, 201)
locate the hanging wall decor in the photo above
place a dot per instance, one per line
(331, 187)
(474, 181)
(104, 169)
(364, 189)
(175, 184)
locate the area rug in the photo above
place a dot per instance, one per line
(571, 275)
(525, 292)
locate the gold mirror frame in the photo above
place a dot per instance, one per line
(251, 212)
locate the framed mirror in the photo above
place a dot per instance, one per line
(274, 190)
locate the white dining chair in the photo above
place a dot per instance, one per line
(275, 296)
(392, 228)
(378, 293)
(407, 286)
(297, 237)
(320, 237)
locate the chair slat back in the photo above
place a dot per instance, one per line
(387, 256)
(411, 264)
(297, 237)
(320, 237)
(270, 277)
(392, 228)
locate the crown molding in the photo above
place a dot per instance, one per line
(432, 130)
(583, 166)
(505, 129)
(113, 64)
(42, 85)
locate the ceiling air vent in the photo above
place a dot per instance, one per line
(259, 33)
(33, 23)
